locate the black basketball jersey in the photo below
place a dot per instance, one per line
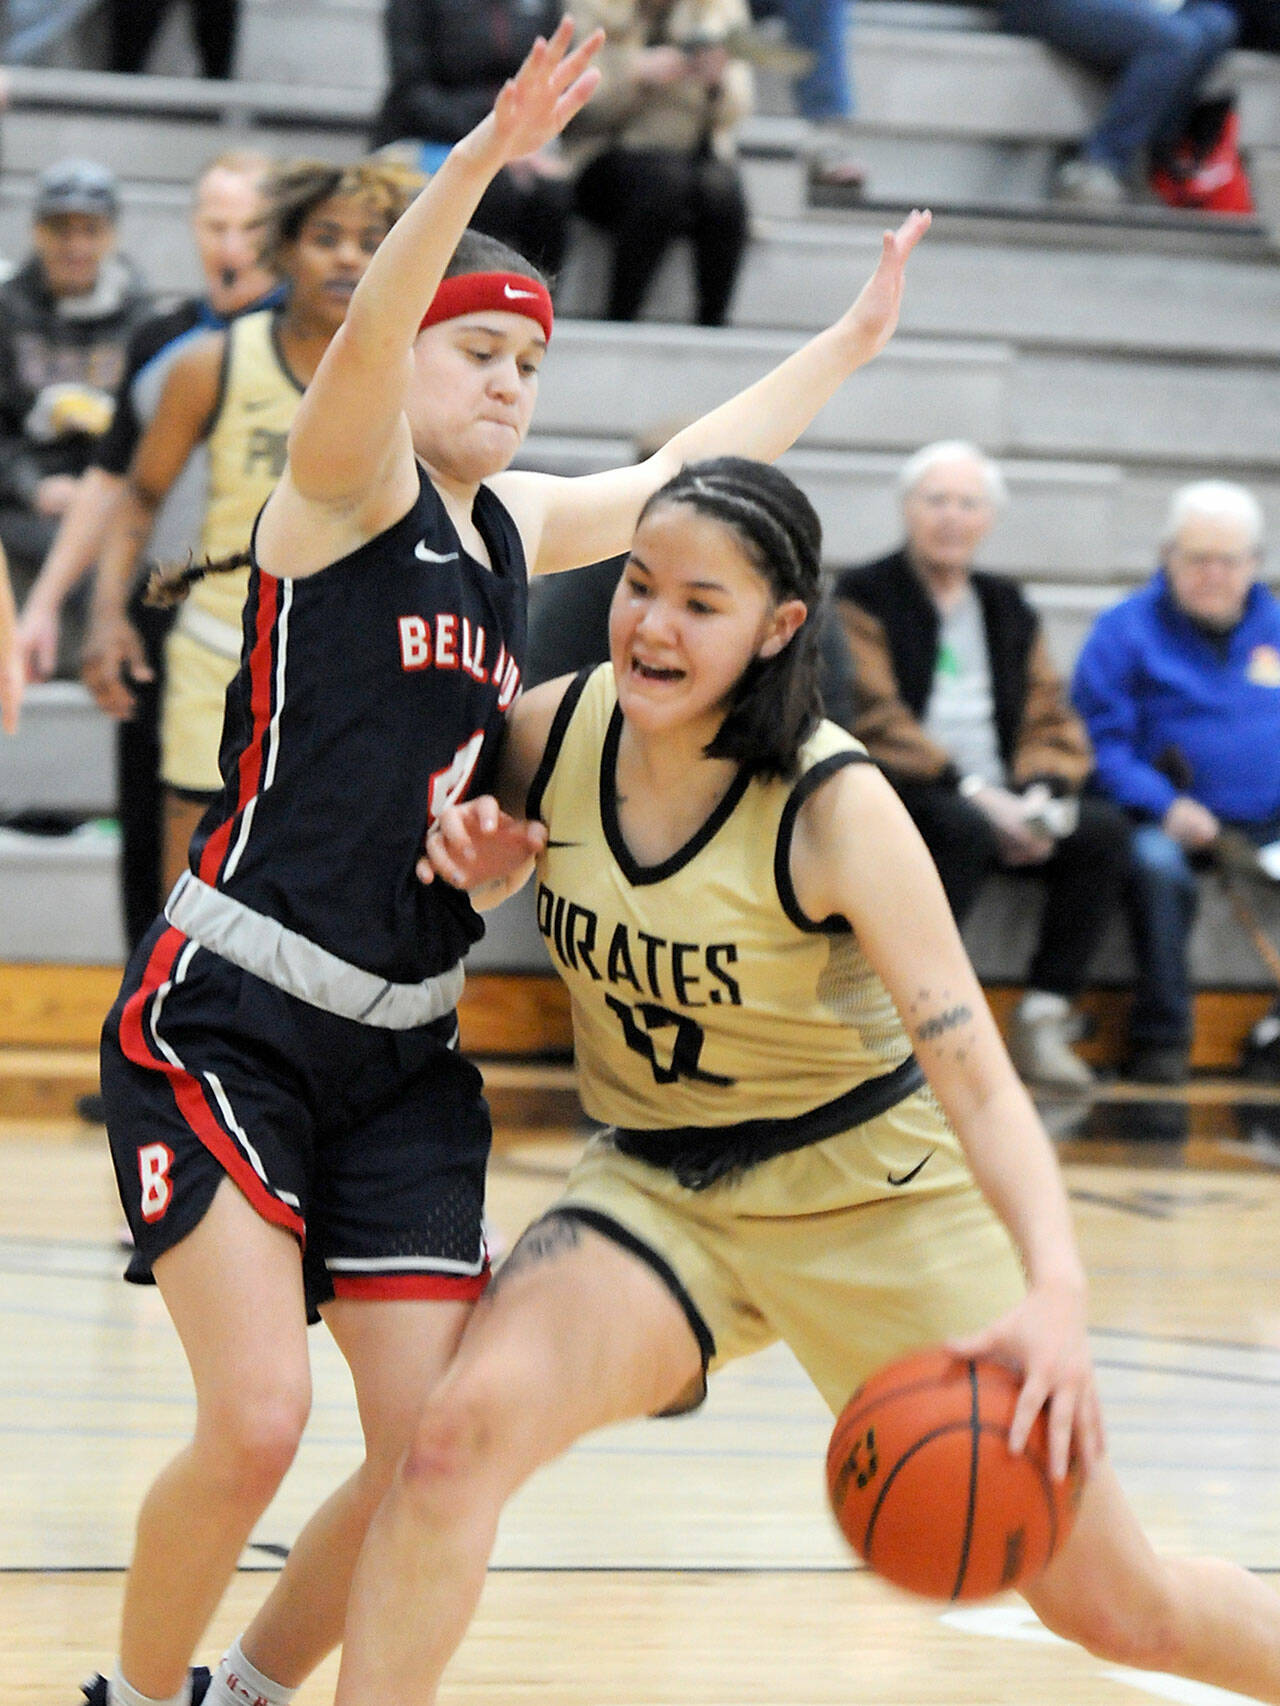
(370, 696)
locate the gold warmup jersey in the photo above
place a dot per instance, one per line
(246, 444)
(702, 996)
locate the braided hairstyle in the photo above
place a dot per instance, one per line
(776, 703)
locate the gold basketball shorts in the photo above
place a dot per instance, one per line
(195, 692)
(853, 1250)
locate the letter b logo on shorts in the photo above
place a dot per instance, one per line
(154, 1162)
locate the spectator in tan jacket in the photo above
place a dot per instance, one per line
(655, 146)
(959, 702)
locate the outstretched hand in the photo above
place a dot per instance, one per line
(1043, 1339)
(875, 313)
(478, 847)
(550, 87)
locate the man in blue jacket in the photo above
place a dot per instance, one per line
(1179, 686)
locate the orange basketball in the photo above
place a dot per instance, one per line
(925, 1488)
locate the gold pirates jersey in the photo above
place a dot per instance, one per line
(702, 996)
(247, 445)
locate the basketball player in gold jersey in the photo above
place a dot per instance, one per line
(238, 391)
(759, 952)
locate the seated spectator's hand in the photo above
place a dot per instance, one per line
(1020, 844)
(54, 493)
(709, 64)
(68, 406)
(657, 66)
(1190, 824)
(113, 650)
(548, 162)
(478, 847)
(37, 641)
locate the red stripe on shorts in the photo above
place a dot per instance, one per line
(261, 664)
(386, 1287)
(188, 1092)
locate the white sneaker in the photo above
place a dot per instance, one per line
(1089, 183)
(1040, 1043)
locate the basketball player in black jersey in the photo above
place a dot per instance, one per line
(280, 1069)
(773, 1165)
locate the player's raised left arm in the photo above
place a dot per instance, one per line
(582, 520)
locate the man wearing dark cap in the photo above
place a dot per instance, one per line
(65, 316)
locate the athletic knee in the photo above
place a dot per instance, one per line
(458, 1435)
(251, 1440)
(1139, 1630)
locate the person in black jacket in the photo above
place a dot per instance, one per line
(65, 320)
(960, 703)
(448, 60)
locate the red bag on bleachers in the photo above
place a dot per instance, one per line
(1205, 170)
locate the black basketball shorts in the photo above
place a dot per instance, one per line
(369, 1145)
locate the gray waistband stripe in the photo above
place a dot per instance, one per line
(300, 967)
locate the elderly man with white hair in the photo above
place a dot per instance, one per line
(1179, 685)
(961, 706)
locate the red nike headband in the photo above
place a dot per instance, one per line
(510, 292)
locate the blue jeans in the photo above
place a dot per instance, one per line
(1161, 59)
(824, 91)
(1161, 901)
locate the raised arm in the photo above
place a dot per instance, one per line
(857, 854)
(350, 450)
(575, 521)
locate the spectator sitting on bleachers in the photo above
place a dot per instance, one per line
(823, 92)
(134, 25)
(1179, 685)
(448, 59)
(1159, 55)
(65, 319)
(959, 702)
(655, 145)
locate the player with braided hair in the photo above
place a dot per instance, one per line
(812, 1130)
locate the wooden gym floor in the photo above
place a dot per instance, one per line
(680, 1563)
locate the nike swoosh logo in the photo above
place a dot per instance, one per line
(564, 844)
(515, 295)
(423, 552)
(907, 1177)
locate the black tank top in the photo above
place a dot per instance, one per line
(370, 695)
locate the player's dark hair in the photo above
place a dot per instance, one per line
(776, 703)
(478, 252)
